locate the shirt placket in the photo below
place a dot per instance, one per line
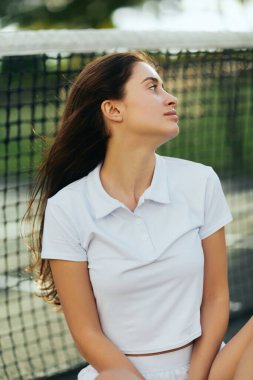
(145, 246)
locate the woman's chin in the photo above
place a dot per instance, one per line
(168, 135)
(172, 130)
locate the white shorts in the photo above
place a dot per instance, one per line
(169, 366)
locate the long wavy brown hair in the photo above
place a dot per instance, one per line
(77, 148)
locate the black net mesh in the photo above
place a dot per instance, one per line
(215, 106)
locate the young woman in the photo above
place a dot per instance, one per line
(131, 244)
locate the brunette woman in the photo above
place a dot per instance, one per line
(131, 246)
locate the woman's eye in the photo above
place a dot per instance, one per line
(154, 86)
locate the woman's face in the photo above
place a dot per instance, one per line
(145, 104)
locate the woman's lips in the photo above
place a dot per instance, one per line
(172, 112)
(171, 115)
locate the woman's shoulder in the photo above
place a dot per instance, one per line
(183, 167)
(71, 193)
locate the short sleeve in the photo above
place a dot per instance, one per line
(216, 210)
(60, 239)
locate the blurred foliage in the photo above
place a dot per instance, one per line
(70, 14)
(61, 14)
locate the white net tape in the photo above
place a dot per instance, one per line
(99, 40)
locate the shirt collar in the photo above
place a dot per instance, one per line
(103, 204)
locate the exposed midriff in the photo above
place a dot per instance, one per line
(162, 352)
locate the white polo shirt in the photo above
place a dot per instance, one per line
(146, 267)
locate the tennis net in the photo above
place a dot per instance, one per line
(211, 74)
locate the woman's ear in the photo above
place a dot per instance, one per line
(112, 110)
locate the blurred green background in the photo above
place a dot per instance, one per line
(61, 14)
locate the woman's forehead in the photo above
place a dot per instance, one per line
(143, 70)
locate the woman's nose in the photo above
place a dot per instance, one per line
(171, 100)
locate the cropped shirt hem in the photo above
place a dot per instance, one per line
(164, 348)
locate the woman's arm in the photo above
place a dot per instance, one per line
(214, 308)
(74, 289)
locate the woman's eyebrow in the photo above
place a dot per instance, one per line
(154, 79)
